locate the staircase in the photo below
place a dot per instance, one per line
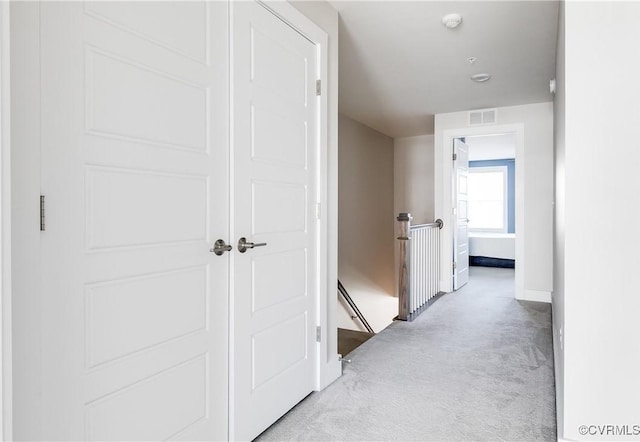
(349, 340)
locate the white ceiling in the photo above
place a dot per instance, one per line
(399, 65)
(491, 147)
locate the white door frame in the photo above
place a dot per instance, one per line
(444, 204)
(329, 367)
(5, 230)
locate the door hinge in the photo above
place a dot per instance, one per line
(318, 211)
(318, 333)
(318, 87)
(455, 156)
(455, 265)
(42, 213)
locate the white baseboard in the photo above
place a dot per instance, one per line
(535, 295)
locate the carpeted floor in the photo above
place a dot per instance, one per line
(476, 366)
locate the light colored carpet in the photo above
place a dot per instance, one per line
(477, 365)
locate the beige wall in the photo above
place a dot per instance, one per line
(413, 177)
(413, 185)
(366, 222)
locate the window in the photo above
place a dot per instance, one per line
(488, 198)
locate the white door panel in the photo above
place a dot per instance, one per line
(177, 26)
(134, 134)
(461, 235)
(275, 155)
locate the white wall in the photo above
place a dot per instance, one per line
(5, 229)
(533, 125)
(601, 185)
(413, 177)
(366, 223)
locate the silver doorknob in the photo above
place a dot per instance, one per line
(219, 247)
(243, 245)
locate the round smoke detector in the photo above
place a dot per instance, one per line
(452, 20)
(480, 78)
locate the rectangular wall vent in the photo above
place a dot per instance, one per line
(483, 116)
(475, 118)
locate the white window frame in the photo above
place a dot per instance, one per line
(505, 175)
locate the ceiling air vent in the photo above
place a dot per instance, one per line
(485, 116)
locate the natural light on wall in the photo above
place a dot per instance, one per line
(488, 198)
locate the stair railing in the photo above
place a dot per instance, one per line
(354, 307)
(419, 276)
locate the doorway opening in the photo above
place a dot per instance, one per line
(484, 198)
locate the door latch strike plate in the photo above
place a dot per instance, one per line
(42, 214)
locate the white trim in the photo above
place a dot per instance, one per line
(443, 187)
(328, 367)
(5, 230)
(535, 295)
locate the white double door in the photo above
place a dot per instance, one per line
(165, 127)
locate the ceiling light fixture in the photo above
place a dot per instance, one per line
(480, 78)
(452, 20)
